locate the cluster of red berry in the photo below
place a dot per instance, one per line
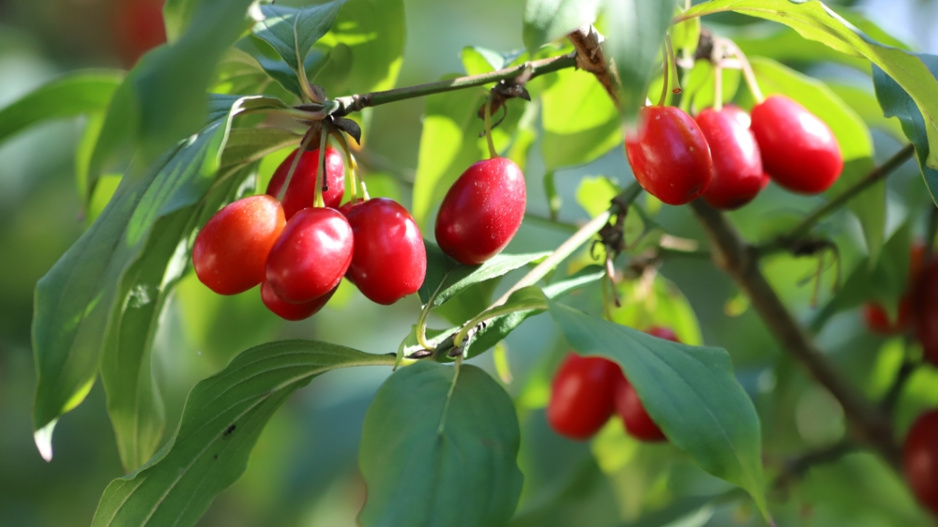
(587, 391)
(299, 253)
(727, 157)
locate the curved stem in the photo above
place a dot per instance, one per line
(296, 161)
(665, 76)
(321, 184)
(349, 160)
(354, 103)
(746, 67)
(874, 176)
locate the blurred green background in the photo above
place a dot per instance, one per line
(302, 472)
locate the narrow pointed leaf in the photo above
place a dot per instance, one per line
(222, 419)
(76, 299)
(440, 450)
(67, 96)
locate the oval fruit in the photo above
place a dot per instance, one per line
(920, 459)
(311, 256)
(302, 190)
(662, 333)
(288, 311)
(635, 418)
(737, 163)
(230, 251)
(799, 151)
(390, 260)
(582, 395)
(481, 211)
(669, 155)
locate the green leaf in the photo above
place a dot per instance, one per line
(446, 148)
(580, 121)
(86, 91)
(854, 139)
(439, 448)
(292, 32)
(77, 298)
(447, 278)
(898, 102)
(374, 32)
(815, 21)
(547, 20)
(222, 419)
(690, 392)
(164, 98)
(636, 30)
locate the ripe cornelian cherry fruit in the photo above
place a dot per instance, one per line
(310, 256)
(662, 333)
(288, 311)
(925, 311)
(230, 251)
(737, 163)
(636, 420)
(799, 151)
(582, 395)
(669, 155)
(481, 211)
(302, 190)
(390, 259)
(874, 314)
(920, 459)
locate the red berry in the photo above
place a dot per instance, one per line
(390, 260)
(669, 155)
(311, 255)
(481, 211)
(925, 311)
(799, 151)
(582, 395)
(302, 190)
(920, 459)
(737, 165)
(230, 251)
(636, 420)
(288, 311)
(138, 27)
(875, 316)
(662, 333)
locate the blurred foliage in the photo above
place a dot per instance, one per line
(303, 471)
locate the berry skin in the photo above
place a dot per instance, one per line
(799, 151)
(875, 316)
(390, 260)
(138, 27)
(481, 211)
(662, 333)
(230, 251)
(636, 420)
(920, 459)
(311, 256)
(302, 190)
(737, 163)
(288, 311)
(669, 155)
(582, 395)
(925, 311)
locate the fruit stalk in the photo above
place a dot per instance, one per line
(740, 261)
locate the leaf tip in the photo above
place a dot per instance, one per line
(43, 440)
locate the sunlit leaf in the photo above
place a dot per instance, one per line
(547, 20)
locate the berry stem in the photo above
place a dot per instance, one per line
(487, 121)
(321, 184)
(307, 138)
(665, 74)
(717, 60)
(746, 67)
(349, 161)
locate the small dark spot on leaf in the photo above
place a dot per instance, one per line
(230, 429)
